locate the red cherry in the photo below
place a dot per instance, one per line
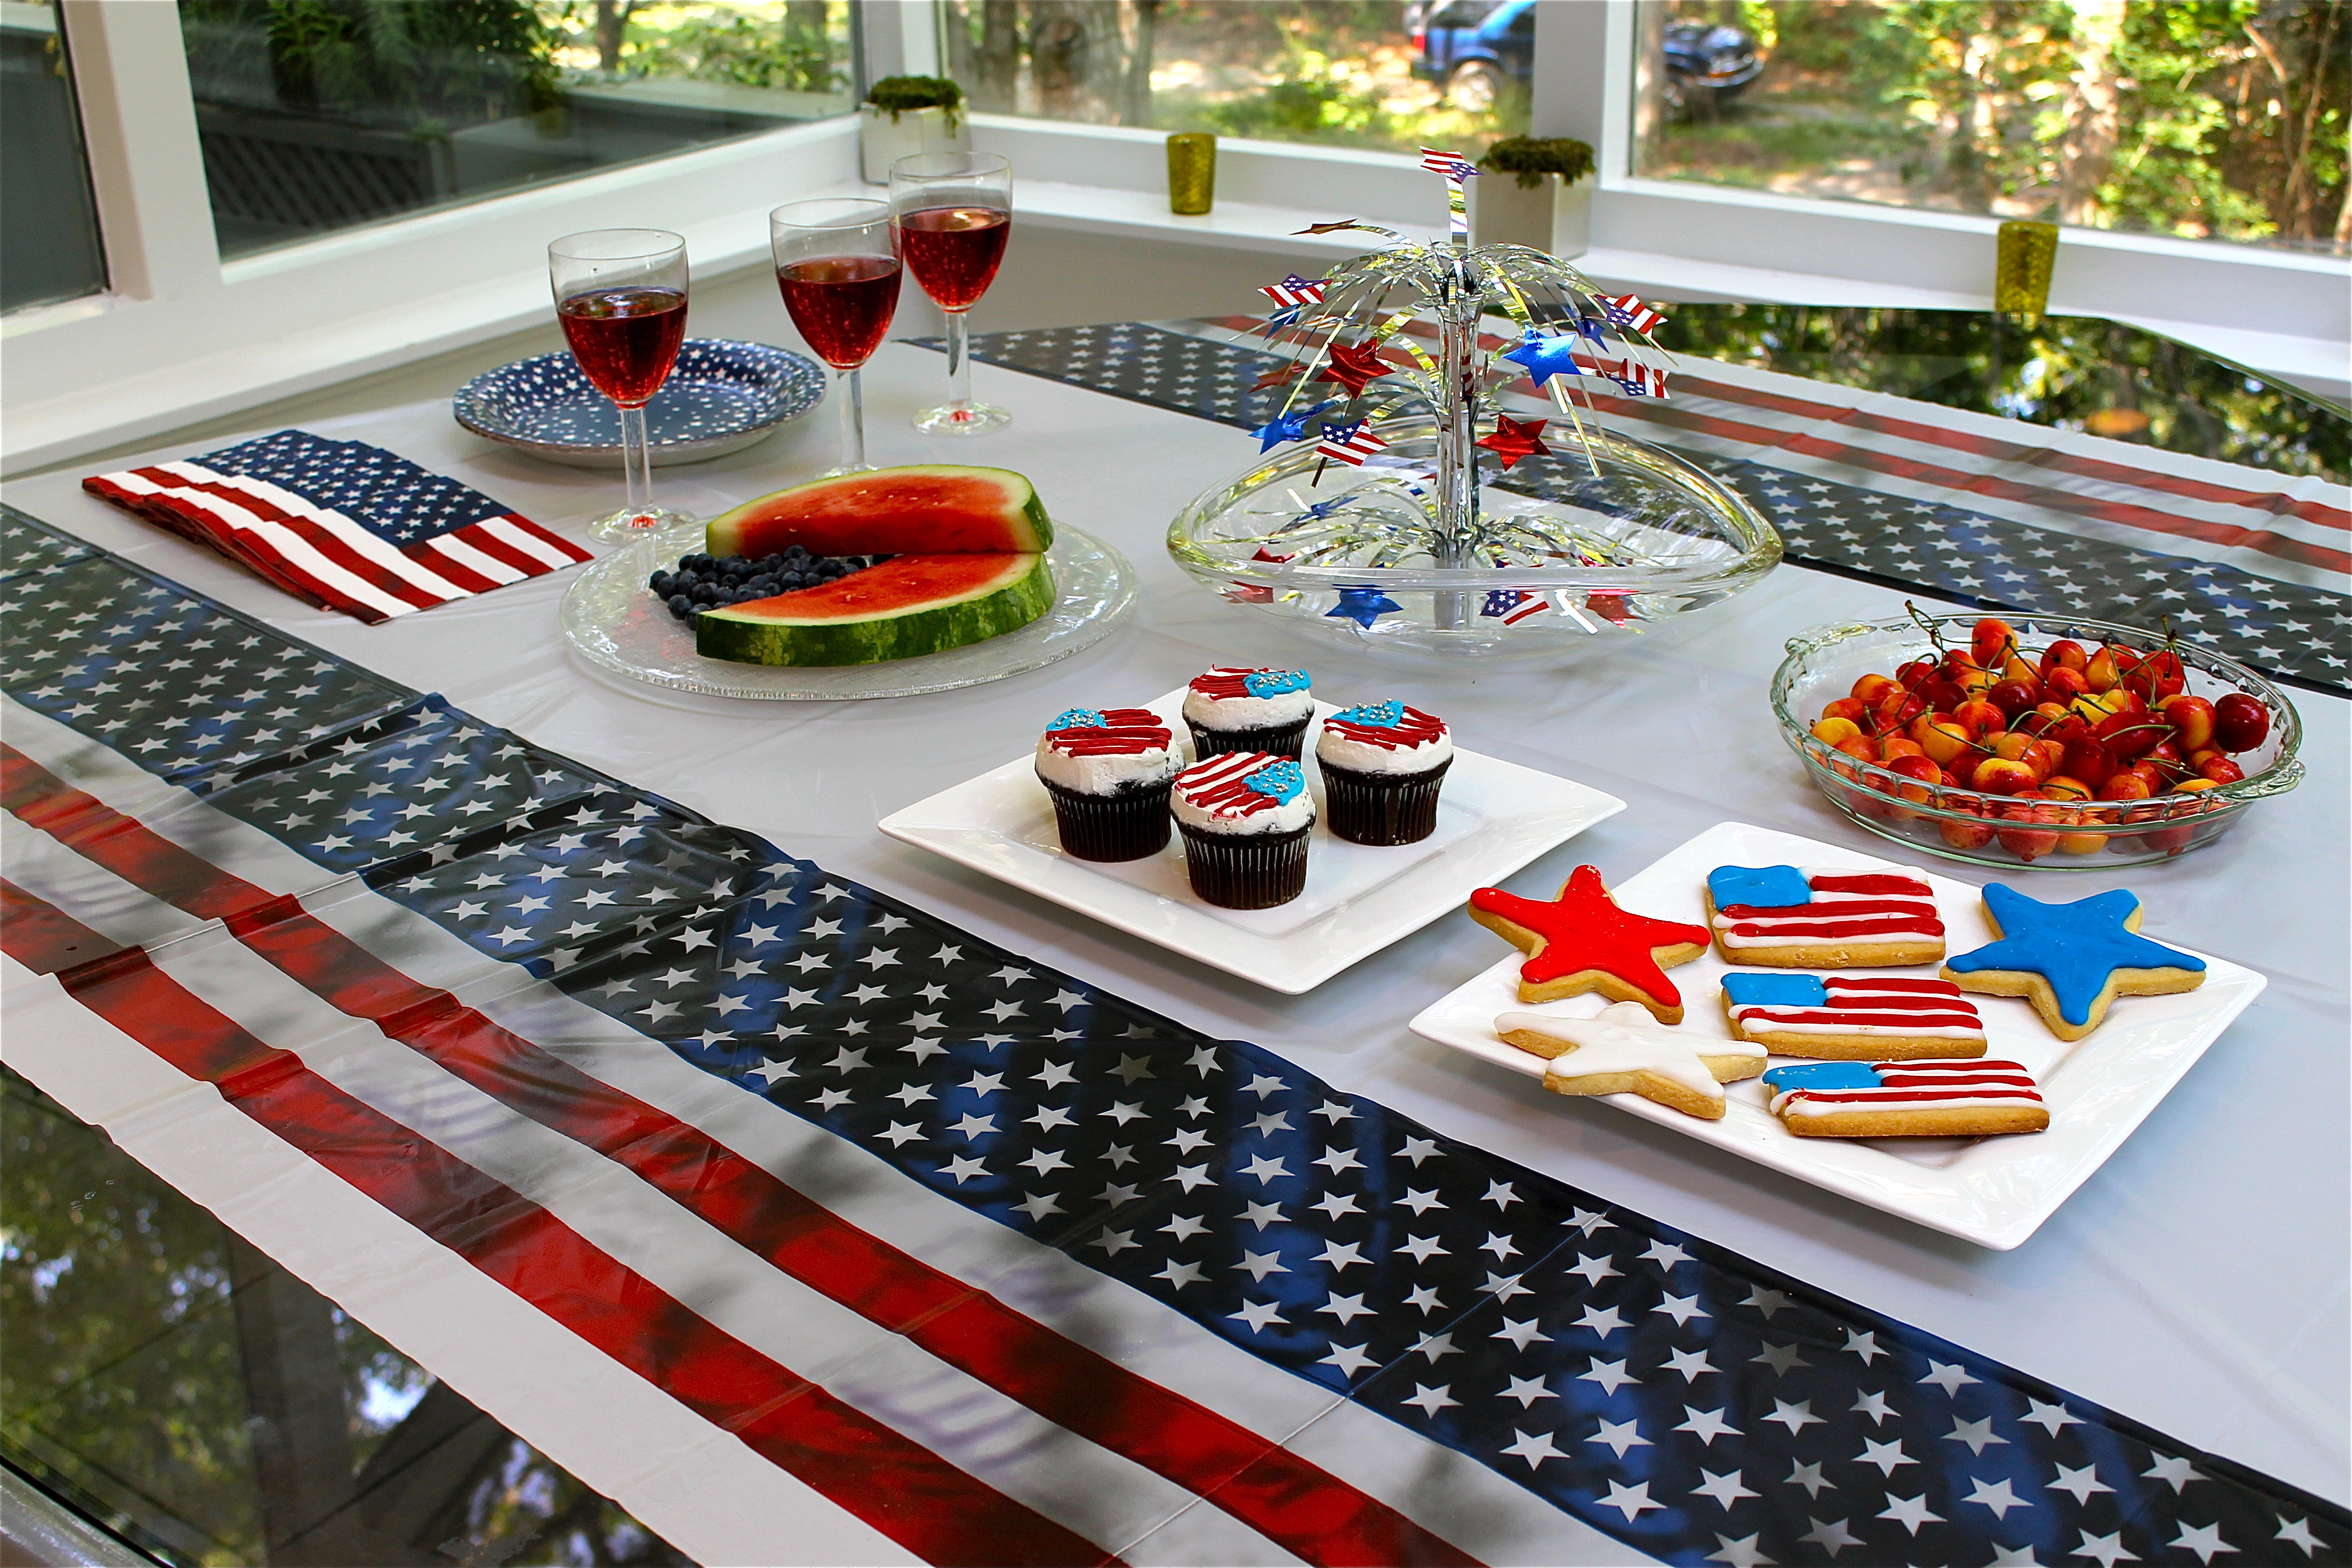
(2222, 771)
(2240, 722)
(1911, 676)
(2090, 760)
(2014, 697)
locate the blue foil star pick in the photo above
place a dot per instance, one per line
(1545, 354)
(1284, 428)
(1362, 605)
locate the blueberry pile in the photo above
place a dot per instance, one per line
(709, 582)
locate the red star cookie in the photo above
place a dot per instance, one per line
(1582, 942)
(1355, 368)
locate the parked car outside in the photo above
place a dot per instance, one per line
(1474, 46)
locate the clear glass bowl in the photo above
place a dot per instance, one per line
(1636, 538)
(1967, 825)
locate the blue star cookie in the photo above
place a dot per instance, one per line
(2070, 960)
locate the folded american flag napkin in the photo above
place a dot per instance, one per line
(341, 524)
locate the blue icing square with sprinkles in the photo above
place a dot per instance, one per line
(1373, 715)
(1758, 886)
(1273, 682)
(1281, 780)
(1824, 1076)
(1777, 989)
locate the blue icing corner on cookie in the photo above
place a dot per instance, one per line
(1760, 887)
(2075, 947)
(1825, 1076)
(1776, 990)
(1273, 682)
(1281, 780)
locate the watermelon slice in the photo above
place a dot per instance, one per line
(929, 510)
(907, 606)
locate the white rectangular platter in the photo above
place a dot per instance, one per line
(1492, 818)
(1992, 1191)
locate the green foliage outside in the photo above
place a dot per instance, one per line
(2205, 118)
(420, 65)
(799, 45)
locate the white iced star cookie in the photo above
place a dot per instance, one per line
(1627, 1051)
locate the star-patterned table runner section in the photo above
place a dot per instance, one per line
(1660, 1388)
(2293, 630)
(341, 524)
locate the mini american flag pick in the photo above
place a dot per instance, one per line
(1628, 312)
(1295, 290)
(1453, 165)
(1350, 443)
(341, 524)
(1512, 606)
(1640, 380)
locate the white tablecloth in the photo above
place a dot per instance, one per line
(2196, 1283)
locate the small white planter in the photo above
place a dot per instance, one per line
(1554, 216)
(883, 138)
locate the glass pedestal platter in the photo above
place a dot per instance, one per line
(615, 623)
(1580, 554)
(1371, 522)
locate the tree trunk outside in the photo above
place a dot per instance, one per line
(611, 31)
(1135, 108)
(2087, 151)
(999, 60)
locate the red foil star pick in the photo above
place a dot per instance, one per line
(1515, 439)
(1355, 368)
(1582, 942)
(1344, 223)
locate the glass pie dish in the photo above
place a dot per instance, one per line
(2003, 831)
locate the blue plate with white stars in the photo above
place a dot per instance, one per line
(720, 397)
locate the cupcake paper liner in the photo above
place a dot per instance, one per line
(1281, 739)
(1382, 808)
(1246, 871)
(1125, 826)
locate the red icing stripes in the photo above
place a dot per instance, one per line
(1221, 785)
(1414, 729)
(1124, 732)
(1886, 1004)
(1918, 1085)
(1845, 907)
(1225, 683)
(1584, 928)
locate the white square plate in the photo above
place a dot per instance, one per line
(1492, 818)
(1992, 1191)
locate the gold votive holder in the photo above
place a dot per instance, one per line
(2022, 283)
(1192, 173)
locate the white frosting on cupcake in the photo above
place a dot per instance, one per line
(1092, 752)
(1232, 697)
(1243, 792)
(1383, 738)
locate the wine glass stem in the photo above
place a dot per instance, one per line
(636, 459)
(850, 394)
(959, 362)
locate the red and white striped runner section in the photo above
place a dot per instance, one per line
(1928, 1009)
(773, 1350)
(328, 559)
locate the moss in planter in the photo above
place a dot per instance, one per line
(895, 95)
(1533, 157)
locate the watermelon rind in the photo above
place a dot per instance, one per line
(857, 514)
(763, 632)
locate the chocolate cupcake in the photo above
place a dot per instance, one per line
(1383, 764)
(1109, 773)
(1246, 817)
(1248, 710)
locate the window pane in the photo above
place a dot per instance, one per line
(49, 225)
(2221, 119)
(317, 115)
(1359, 73)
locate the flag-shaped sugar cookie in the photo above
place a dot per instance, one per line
(1852, 1018)
(1778, 917)
(1905, 1099)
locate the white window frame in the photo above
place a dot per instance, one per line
(182, 336)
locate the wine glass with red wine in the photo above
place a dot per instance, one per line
(954, 213)
(838, 266)
(619, 294)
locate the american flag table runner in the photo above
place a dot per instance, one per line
(815, 1229)
(1986, 511)
(341, 524)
